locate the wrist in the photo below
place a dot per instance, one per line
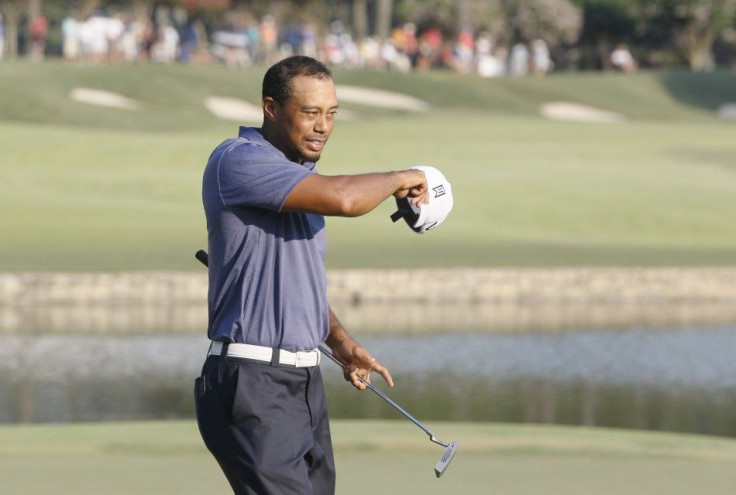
(401, 182)
(341, 340)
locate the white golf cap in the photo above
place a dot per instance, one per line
(430, 215)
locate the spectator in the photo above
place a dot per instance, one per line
(2, 36)
(132, 39)
(430, 46)
(114, 31)
(370, 53)
(253, 32)
(269, 38)
(38, 28)
(488, 63)
(541, 59)
(519, 60)
(622, 59)
(94, 46)
(405, 41)
(232, 48)
(165, 48)
(464, 51)
(70, 38)
(309, 42)
(189, 42)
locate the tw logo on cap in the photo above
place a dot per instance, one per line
(439, 191)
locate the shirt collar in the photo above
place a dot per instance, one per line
(254, 135)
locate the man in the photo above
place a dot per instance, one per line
(260, 400)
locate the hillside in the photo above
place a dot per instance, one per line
(172, 96)
(87, 187)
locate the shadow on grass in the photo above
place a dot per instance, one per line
(698, 89)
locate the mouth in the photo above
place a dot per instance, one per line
(316, 145)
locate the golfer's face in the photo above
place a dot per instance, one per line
(307, 118)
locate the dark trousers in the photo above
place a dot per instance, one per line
(266, 426)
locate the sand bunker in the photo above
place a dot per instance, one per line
(240, 110)
(379, 98)
(575, 112)
(104, 99)
(234, 109)
(727, 111)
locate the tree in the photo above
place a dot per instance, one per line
(430, 13)
(483, 15)
(693, 25)
(383, 18)
(605, 24)
(555, 21)
(451, 16)
(11, 10)
(34, 8)
(360, 19)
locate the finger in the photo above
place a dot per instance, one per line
(383, 371)
(363, 377)
(351, 375)
(372, 364)
(418, 190)
(359, 382)
(420, 200)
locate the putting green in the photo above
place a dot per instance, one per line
(374, 457)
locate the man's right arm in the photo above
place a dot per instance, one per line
(355, 195)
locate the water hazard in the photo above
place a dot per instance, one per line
(660, 379)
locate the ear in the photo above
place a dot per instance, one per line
(270, 108)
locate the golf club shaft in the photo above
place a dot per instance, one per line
(203, 257)
(385, 397)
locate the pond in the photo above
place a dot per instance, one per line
(674, 379)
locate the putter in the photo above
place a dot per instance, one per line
(450, 447)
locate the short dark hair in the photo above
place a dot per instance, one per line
(276, 82)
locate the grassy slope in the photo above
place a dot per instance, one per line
(373, 457)
(85, 188)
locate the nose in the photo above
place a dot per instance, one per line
(322, 124)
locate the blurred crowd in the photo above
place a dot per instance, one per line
(170, 35)
(406, 49)
(101, 38)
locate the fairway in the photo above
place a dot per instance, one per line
(374, 457)
(114, 190)
(93, 189)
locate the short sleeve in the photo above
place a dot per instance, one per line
(249, 175)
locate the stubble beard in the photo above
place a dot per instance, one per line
(306, 158)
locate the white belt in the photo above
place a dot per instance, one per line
(299, 359)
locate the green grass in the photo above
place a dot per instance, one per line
(374, 457)
(86, 188)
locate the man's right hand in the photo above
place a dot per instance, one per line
(415, 187)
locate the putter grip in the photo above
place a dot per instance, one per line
(203, 257)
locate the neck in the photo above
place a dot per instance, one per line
(270, 135)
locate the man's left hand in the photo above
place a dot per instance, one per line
(359, 363)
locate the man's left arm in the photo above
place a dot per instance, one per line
(356, 358)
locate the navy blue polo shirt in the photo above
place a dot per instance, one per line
(267, 281)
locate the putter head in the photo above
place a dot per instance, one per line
(446, 458)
